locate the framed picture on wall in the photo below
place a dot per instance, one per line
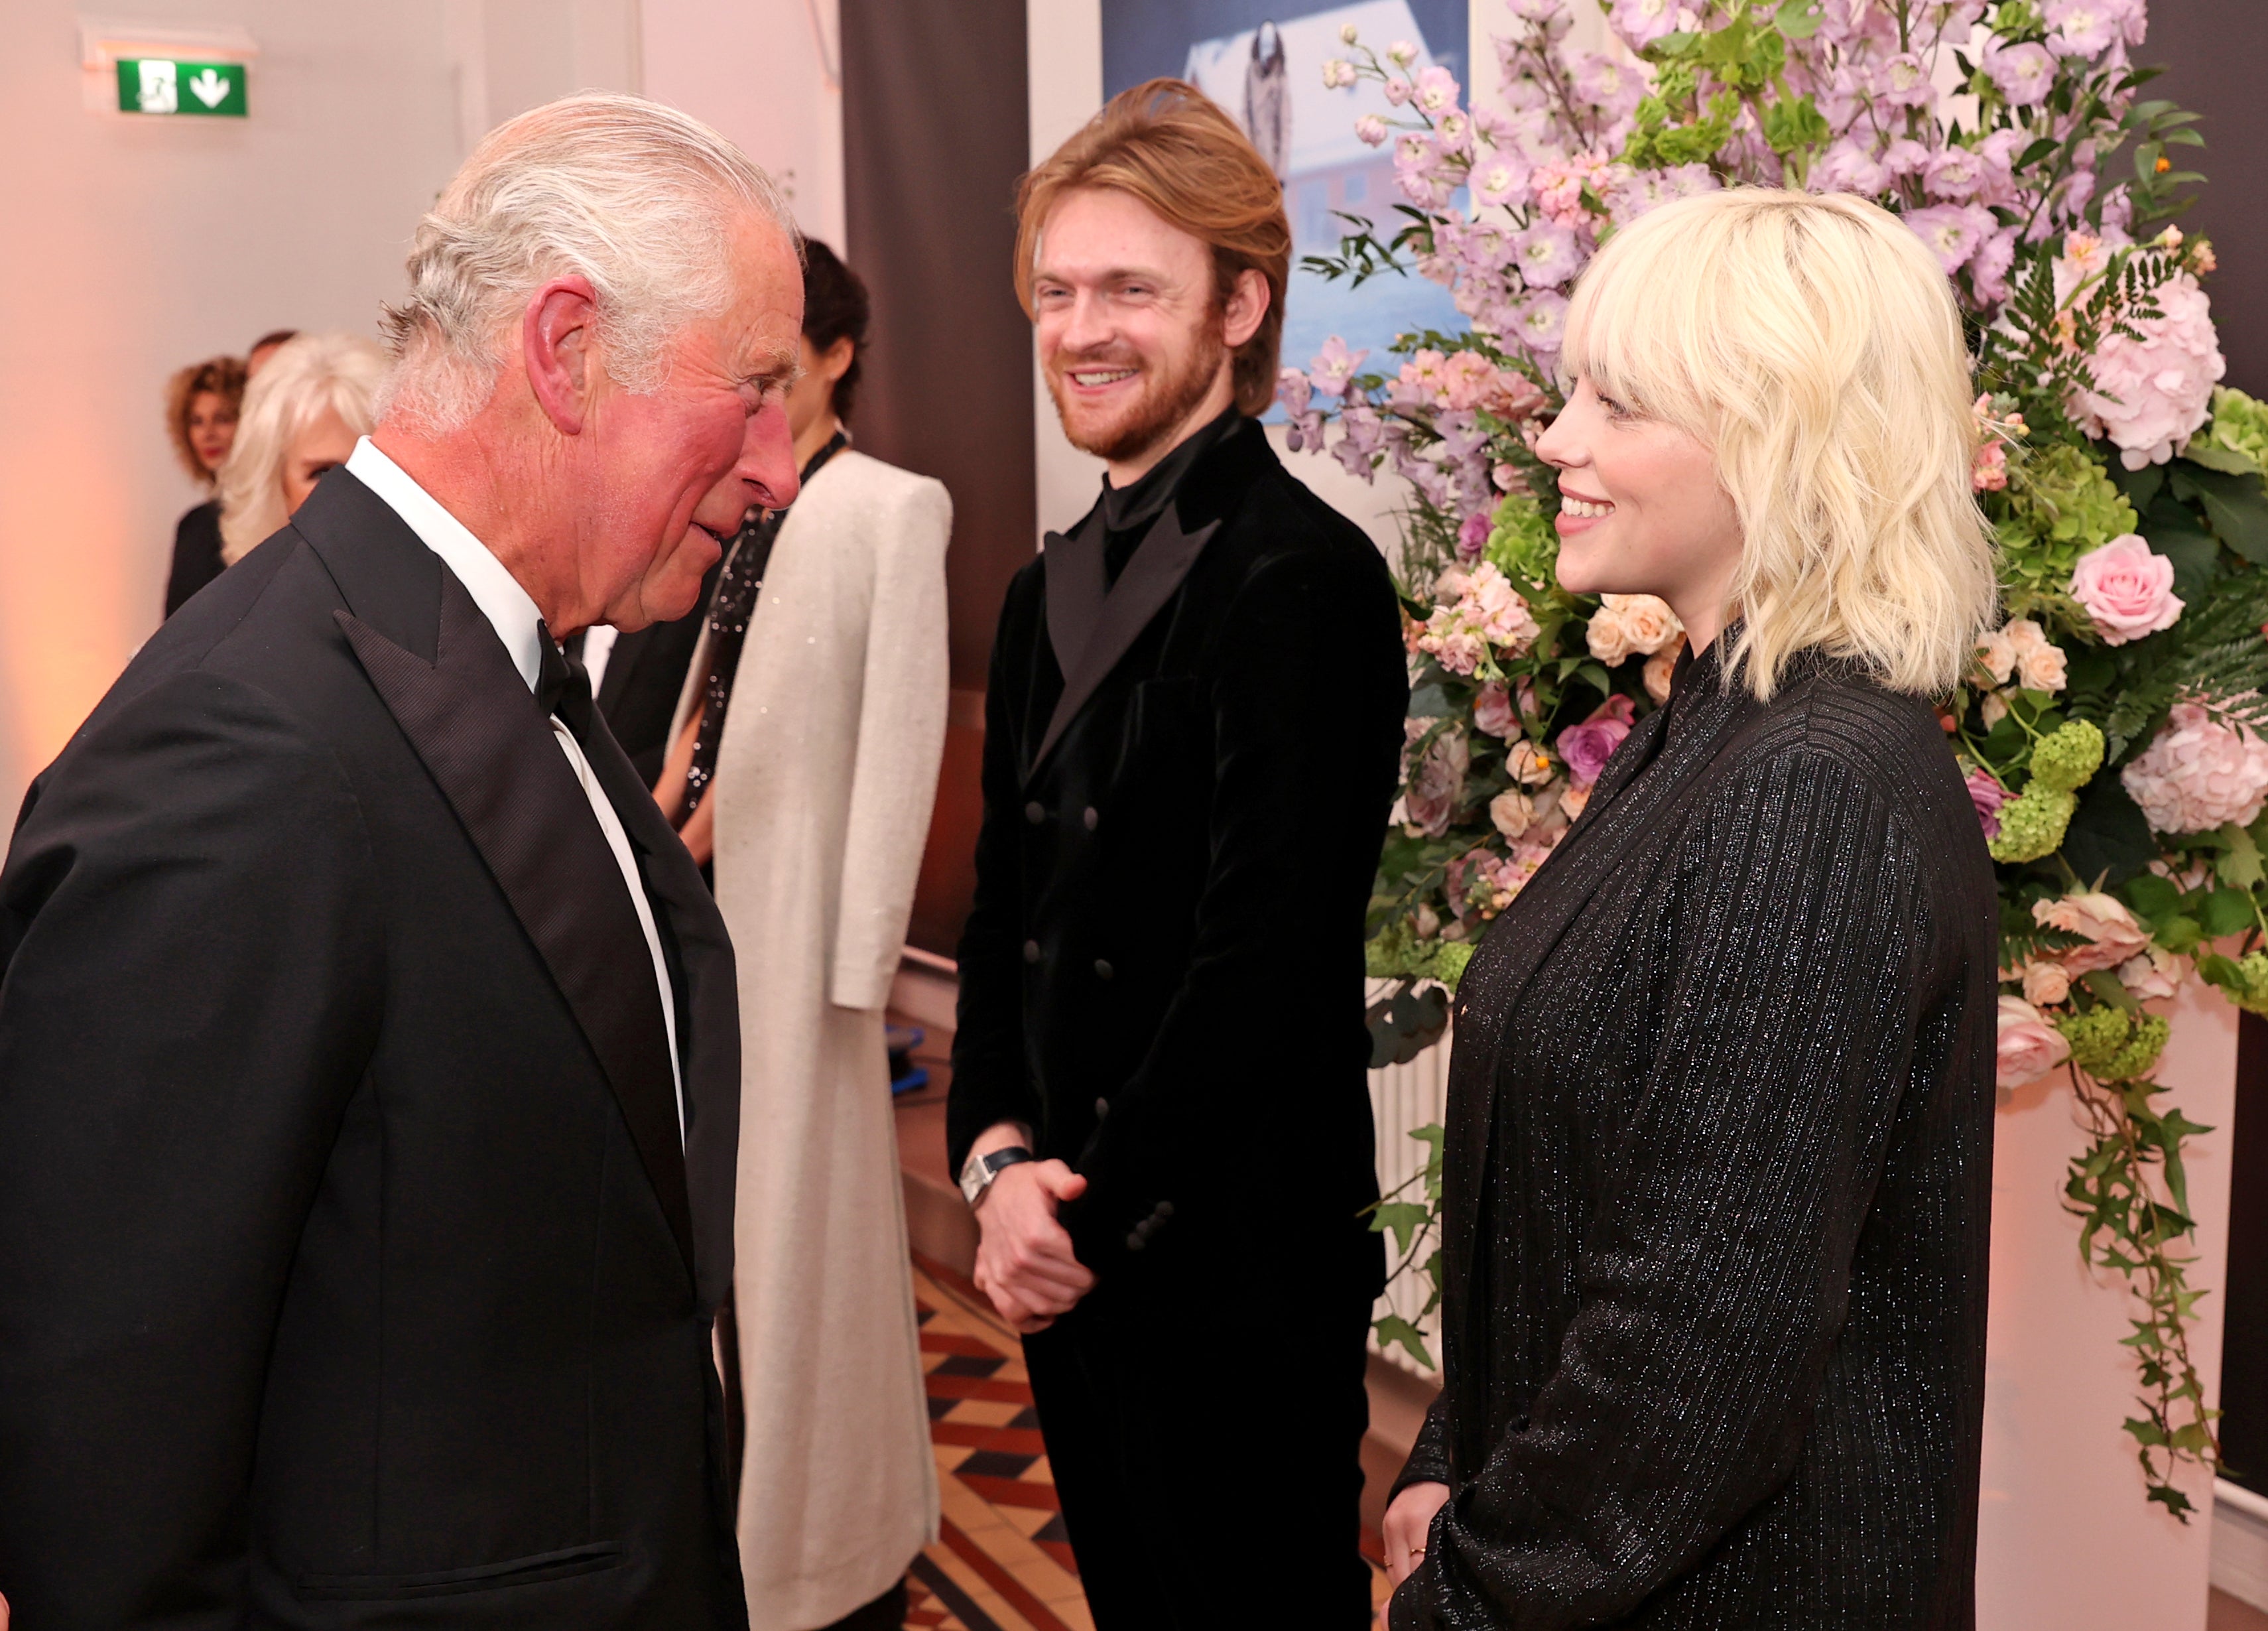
(1263, 61)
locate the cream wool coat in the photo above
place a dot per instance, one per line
(823, 786)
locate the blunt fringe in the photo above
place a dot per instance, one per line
(307, 374)
(1167, 143)
(1813, 343)
(637, 198)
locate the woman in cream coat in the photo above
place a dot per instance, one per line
(818, 807)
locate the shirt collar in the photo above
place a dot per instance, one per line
(509, 609)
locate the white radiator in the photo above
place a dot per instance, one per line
(1402, 1097)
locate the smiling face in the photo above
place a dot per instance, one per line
(212, 429)
(1134, 344)
(1641, 510)
(664, 479)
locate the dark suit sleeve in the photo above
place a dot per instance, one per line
(1306, 706)
(1716, 1276)
(992, 1082)
(191, 947)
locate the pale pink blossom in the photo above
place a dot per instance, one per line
(2151, 395)
(1997, 653)
(1848, 166)
(2088, 28)
(1661, 671)
(1338, 73)
(1642, 22)
(1501, 179)
(1954, 233)
(1512, 812)
(2127, 589)
(2045, 983)
(2156, 974)
(2029, 1047)
(2110, 933)
(1371, 129)
(1493, 712)
(2025, 73)
(1435, 92)
(2199, 774)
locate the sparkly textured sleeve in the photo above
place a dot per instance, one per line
(1716, 1274)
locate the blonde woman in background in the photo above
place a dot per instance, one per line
(1718, 1171)
(201, 404)
(301, 417)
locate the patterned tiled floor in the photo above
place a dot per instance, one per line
(1001, 1563)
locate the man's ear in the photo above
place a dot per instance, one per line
(1247, 304)
(557, 342)
(835, 360)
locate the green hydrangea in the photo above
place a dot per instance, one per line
(2065, 758)
(2111, 1045)
(2032, 824)
(1522, 543)
(2250, 990)
(1449, 961)
(1388, 955)
(2071, 499)
(2240, 425)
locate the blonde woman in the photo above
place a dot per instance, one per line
(300, 418)
(1720, 1121)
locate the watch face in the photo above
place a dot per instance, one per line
(972, 1181)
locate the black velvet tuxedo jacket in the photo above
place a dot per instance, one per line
(351, 1270)
(1162, 974)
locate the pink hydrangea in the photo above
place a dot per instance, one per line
(2152, 394)
(1988, 796)
(2127, 589)
(2199, 774)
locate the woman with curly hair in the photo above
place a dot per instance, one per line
(202, 403)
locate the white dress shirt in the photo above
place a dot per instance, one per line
(516, 621)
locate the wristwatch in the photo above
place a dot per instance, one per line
(977, 1175)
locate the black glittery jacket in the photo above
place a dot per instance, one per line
(1718, 1189)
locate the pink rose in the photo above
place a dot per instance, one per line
(1587, 747)
(1493, 712)
(2154, 974)
(1661, 670)
(2045, 983)
(1988, 796)
(2030, 1046)
(2110, 932)
(1436, 785)
(2126, 588)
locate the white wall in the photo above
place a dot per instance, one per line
(135, 246)
(768, 74)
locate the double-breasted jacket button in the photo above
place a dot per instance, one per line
(1090, 818)
(1031, 951)
(1134, 1242)
(1164, 1210)
(1036, 811)
(1102, 970)
(1101, 1109)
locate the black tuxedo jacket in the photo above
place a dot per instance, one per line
(1163, 970)
(351, 1270)
(645, 673)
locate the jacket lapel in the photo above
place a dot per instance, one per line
(708, 1029)
(1076, 591)
(1159, 563)
(471, 719)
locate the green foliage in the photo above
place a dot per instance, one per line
(1416, 1226)
(2060, 503)
(2236, 439)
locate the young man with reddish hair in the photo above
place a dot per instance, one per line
(1159, 1104)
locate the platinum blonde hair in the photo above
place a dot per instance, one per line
(305, 376)
(1814, 344)
(637, 198)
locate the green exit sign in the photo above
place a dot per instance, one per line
(159, 84)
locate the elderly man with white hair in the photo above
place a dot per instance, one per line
(368, 1043)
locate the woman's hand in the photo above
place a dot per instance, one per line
(1408, 1522)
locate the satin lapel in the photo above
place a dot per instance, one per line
(471, 719)
(1076, 591)
(1164, 558)
(708, 1032)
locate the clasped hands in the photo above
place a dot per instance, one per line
(1024, 1257)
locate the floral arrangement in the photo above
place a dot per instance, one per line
(2113, 731)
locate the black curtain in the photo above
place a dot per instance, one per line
(935, 134)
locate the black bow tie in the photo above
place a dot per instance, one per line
(562, 687)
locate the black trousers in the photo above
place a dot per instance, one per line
(1210, 1473)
